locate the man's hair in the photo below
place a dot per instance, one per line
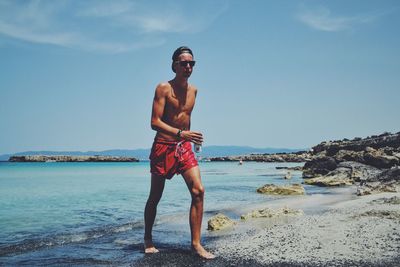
(178, 52)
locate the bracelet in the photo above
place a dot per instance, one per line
(179, 133)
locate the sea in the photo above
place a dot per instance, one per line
(86, 214)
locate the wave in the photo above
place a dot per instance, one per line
(32, 244)
(68, 261)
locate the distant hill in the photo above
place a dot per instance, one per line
(143, 154)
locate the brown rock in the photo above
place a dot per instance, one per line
(219, 221)
(328, 181)
(270, 189)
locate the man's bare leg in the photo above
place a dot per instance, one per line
(156, 190)
(193, 182)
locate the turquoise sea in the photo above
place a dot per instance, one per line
(92, 213)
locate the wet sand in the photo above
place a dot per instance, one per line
(336, 230)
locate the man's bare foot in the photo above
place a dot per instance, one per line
(149, 247)
(199, 250)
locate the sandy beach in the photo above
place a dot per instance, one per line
(341, 229)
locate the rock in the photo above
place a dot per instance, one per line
(346, 173)
(359, 144)
(300, 156)
(319, 166)
(392, 200)
(380, 160)
(383, 214)
(339, 177)
(374, 188)
(62, 158)
(389, 175)
(385, 181)
(369, 149)
(359, 171)
(347, 155)
(288, 176)
(219, 221)
(270, 189)
(270, 213)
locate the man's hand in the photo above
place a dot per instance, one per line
(194, 137)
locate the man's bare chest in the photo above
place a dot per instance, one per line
(180, 105)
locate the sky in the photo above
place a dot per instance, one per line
(81, 75)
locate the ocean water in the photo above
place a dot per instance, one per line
(92, 213)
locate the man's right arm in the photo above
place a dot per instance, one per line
(159, 101)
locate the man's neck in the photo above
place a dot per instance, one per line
(181, 83)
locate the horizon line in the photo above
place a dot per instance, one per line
(130, 149)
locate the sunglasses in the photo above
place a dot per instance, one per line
(184, 63)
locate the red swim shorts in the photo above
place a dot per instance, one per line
(168, 158)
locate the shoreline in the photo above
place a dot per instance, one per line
(338, 229)
(63, 158)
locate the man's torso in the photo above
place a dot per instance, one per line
(178, 108)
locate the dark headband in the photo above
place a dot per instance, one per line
(181, 50)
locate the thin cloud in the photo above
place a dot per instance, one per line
(75, 40)
(322, 19)
(26, 34)
(149, 17)
(106, 9)
(105, 26)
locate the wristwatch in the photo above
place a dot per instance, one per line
(179, 133)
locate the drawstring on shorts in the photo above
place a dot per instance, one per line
(179, 150)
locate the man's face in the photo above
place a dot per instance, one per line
(183, 65)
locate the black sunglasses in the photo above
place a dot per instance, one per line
(184, 63)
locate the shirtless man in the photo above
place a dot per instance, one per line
(172, 150)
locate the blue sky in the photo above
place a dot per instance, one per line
(80, 75)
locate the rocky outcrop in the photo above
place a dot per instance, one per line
(348, 155)
(270, 189)
(319, 166)
(385, 181)
(359, 171)
(382, 151)
(219, 221)
(338, 177)
(43, 158)
(359, 144)
(301, 156)
(386, 176)
(379, 159)
(346, 173)
(271, 213)
(371, 161)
